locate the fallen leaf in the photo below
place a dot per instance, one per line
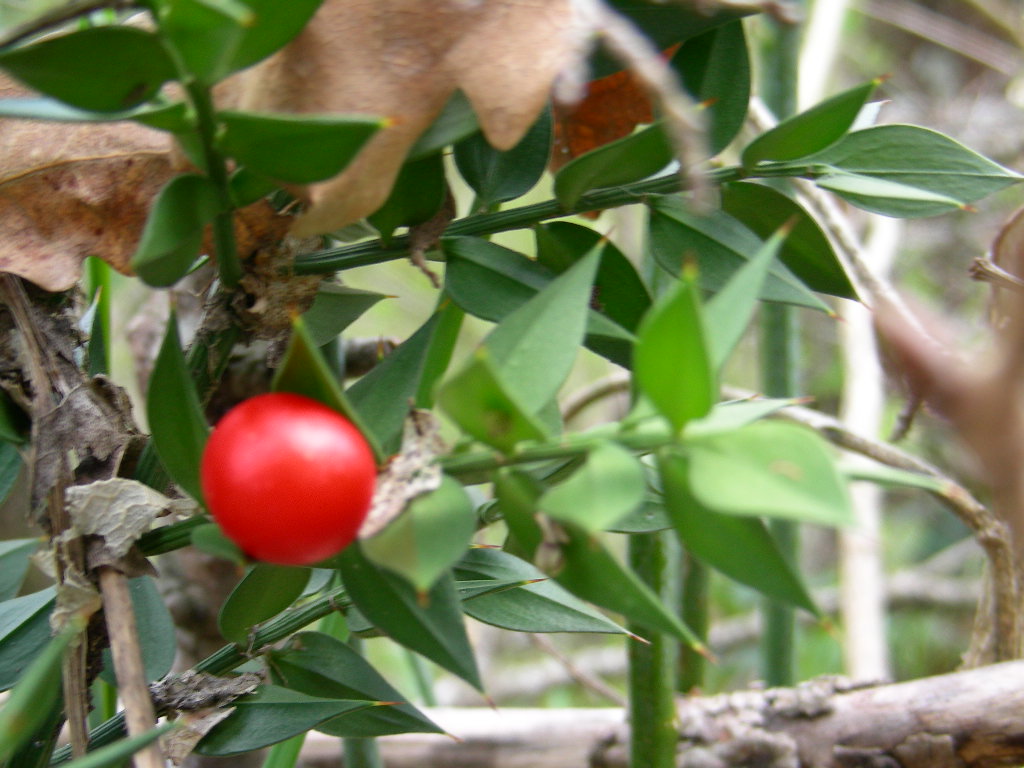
(70, 190)
(402, 60)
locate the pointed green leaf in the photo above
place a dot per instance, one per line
(206, 34)
(740, 547)
(273, 24)
(115, 67)
(518, 494)
(429, 624)
(609, 485)
(428, 537)
(720, 245)
(14, 562)
(728, 313)
(406, 376)
(812, 130)
(319, 665)
(619, 293)
(417, 195)
(626, 160)
(456, 121)
(305, 372)
(498, 176)
(771, 469)
(175, 416)
(729, 416)
(541, 606)
(114, 755)
(334, 309)
(173, 233)
(270, 715)
(478, 402)
(888, 198)
(37, 689)
(265, 591)
(591, 572)
(899, 478)
(295, 148)
(24, 632)
(209, 538)
(671, 362)
(534, 347)
(807, 251)
(10, 468)
(715, 68)
(911, 156)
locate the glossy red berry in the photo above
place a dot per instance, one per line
(287, 478)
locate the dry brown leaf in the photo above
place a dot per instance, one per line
(402, 59)
(70, 190)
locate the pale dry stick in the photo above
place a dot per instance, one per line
(585, 678)
(132, 686)
(683, 118)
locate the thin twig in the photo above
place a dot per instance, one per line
(125, 650)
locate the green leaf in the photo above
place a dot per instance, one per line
(497, 176)
(305, 372)
(517, 494)
(729, 416)
(478, 402)
(534, 347)
(770, 469)
(910, 156)
(270, 715)
(541, 606)
(114, 755)
(274, 24)
(619, 293)
(671, 362)
(167, 117)
(209, 538)
(431, 625)
(591, 572)
(416, 196)
(728, 313)
(885, 197)
(649, 517)
(812, 130)
(206, 34)
(295, 148)
(24, 632)
(456, 121)
(807, 251)
(609, 485)
(431, 534)
(334, 309)
(115, 67)
(265, 591)
(740, 547)
(14, 423)
(623, 161)
(10, 468)
(318, 665)
(175, 416)
(491, 282)
(37, 689)
(720, 245)
(14, 562)
(715, 68)
(407, 375)
(173, 233)
(157, 640)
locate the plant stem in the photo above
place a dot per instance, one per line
(695, 602)
(780, 344)
(360, 752)
(652, 711)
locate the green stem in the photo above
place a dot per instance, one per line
(285, 754)
(360, 752)
(780, 346)
(216, 168)
(652, 711)
(695, 614)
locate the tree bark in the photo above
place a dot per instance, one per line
(965, 719)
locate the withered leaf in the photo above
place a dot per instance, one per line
(402, 59)
(71, 190)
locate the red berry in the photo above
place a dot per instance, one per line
(287, 478)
